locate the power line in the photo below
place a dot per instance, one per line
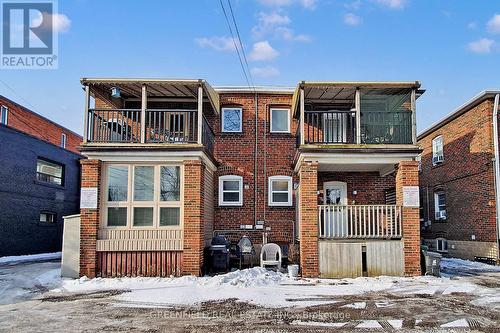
(241, 44)
(15, 93)
(234, 42)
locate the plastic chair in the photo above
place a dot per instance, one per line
(270, 251)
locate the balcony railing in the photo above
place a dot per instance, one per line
(325, 127)
(393, 127)
(160, 126)
(360, 221)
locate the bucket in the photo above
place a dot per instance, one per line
(293, 271)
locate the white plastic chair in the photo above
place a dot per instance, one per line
(270, 251)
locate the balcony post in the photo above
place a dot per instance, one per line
(200, 115)
(357, 102)
(302, 116)
(413, 117)
(144, 103)
(86, 118)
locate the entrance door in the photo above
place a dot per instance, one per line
(335, 217)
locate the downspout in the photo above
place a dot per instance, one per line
(497, 170)
(256, 105)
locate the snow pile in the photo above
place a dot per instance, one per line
(460, 265)
(252, 277)
(31, 257)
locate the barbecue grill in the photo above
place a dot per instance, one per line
(219, 253)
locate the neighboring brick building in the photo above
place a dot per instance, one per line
(457, 182)
(322, 169)
(19, 117)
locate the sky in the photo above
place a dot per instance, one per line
(451, 46)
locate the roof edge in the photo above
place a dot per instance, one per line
(474, 101)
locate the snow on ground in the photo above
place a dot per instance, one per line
(466, 266)
(30, 257)
(271, 289)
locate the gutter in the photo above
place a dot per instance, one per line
(497, 170)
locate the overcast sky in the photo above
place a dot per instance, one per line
(451, 46)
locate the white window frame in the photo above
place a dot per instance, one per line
(130, 203)
(47, 214)
(222, 179)
(270, 201)
(3, 109)
(437, 147)
(436, 201)
(63, 140)
(271, 120)
(443, 241)
(223, 123)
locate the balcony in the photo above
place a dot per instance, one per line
(167, 113)
(335, 115)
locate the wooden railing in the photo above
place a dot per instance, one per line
(360, 221)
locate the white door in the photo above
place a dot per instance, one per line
(335, 127)
(335, 216)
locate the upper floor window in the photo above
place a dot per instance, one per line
(63, 140)
(49, 172)
(437, 150)
(4, 114)
(440, 205)
(143, 196)
(232, 120)
(280, 191)
(230, 190)
(280, 120)
(441, 245)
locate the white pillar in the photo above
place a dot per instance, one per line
(86, 118)
(302, 116)
(144, 105)
(357, 105)
(200, 114)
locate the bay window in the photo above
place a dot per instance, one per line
(143, 196)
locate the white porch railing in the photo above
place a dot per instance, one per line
(360, 221)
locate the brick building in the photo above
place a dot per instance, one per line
(457, 181)
(324, 169)
(39, 180)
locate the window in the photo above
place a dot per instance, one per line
(49, 172)
(280, 191)
(4, 114)
(419, 160)
(441, 245)
(437, 150)
(47, 217)
(280, 120)
(63, 140)
(440, 205)
(155, 199)
(232, 120)
(230, 190)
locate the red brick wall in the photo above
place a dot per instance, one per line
(235, 153)
(194, 229)
(89, 220)
(466, 176)
(31, 123)
(407, 175)
(370, 186)
(309, 219)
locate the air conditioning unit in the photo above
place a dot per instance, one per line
(438, 159)
(441, 215)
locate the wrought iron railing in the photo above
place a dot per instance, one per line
(171, 126)
(329, 127)
(360, 221)
(117, 125)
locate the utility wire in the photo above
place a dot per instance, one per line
(241, 44)
(15, 93)
(234, 42)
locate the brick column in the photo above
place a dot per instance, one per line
(192, 257)
(89, 219)
(308, 227)
(407, 175)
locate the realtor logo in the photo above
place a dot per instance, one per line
(28, 37)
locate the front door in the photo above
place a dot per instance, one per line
(335, 217)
